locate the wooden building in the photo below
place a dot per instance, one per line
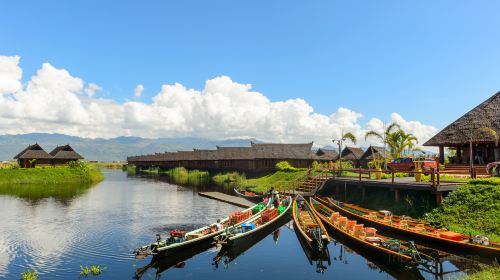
(352, 154)
(468, 135)
(326, 155)
(254, 159)
(64, 154)
(373, 153)
(33, 155)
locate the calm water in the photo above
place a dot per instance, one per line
(53, 231)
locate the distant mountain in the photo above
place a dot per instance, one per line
(110, 149)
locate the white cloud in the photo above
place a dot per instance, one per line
(92, 89)
(138, 90)
(52, 102)
(10, 74)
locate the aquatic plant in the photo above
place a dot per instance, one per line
(29, 275)
(489, 273)
(93, 270)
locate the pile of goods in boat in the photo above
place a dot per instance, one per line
(238, 217)
(269, 214)
(249, 193)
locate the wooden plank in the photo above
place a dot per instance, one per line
(231, 199)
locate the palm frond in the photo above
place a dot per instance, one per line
(491, 132)
(374, 134)
(349, 136)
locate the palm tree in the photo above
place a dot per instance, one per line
(383, 137)
(399, 141)
(344, 137)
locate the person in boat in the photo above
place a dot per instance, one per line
(300, 202)
(218, 225)
(276, 199)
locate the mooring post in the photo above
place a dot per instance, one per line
(392, 180)
(439, 197)
(396, 195)
(363, 193)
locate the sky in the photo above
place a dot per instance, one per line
(284, 71)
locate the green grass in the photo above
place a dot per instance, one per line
(83, 173)
(280, 180)
(489, 273)
(473, 208)
(29, 275)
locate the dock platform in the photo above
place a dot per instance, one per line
(234, 200)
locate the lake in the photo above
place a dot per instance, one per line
(56, 229)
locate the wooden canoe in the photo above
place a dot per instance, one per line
(236, 234)
(254, 198)
(197, 237)
(429, 236)
(309, 226)
(383, 253)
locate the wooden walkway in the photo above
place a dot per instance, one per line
(234, 200)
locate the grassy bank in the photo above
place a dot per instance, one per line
(490, 273)
(110, 165)
(179, 175)
(74, 173)
(473, 208)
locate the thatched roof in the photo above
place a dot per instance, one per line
(351, 153)
(255, 151)
(375, 152)
(325, 154)
(468, 127)
(34, 151)
(65, 152)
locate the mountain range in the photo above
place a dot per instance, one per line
(114, 149)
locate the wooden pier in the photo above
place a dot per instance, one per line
(234, 200)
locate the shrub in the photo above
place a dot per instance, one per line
(285, 166)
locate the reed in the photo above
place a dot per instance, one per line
(93, 270)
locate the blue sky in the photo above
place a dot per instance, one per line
(426, 60)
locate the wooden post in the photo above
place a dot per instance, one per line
(439, 198)
(433, 178)
(359, 175)
(363, 193)
(396, 195)
(333, 173)
(441, 154)
(337, 191)
(392, 180)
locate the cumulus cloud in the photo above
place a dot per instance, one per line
(10, 74)
(138, 90)
(52, 102)
(92, 89)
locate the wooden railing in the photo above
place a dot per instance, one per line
(435, 174)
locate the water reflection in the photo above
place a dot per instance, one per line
(63, 193)
(320, 259)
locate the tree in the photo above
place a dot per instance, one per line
(383, 137)
(400, 141)
(344, 137)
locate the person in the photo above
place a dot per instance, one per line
(218, 225)
(276, 199)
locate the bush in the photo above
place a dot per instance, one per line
(286, 167)
(485, 181)
(472, 208)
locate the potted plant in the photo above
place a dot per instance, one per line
(418, 170)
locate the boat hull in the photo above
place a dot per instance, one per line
(384, 255)
(466, 250)
(256, 198)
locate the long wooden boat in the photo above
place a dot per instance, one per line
(183, 240)
(228, 254)
(251, 196)
(309, 225)
(248, 230)
(317, 257)
(388, 250)
(422, 233)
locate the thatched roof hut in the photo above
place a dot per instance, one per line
(65, 152)
(34, 151)
(326, 154)
(469, 127)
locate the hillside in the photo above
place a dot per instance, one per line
(113, 149)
